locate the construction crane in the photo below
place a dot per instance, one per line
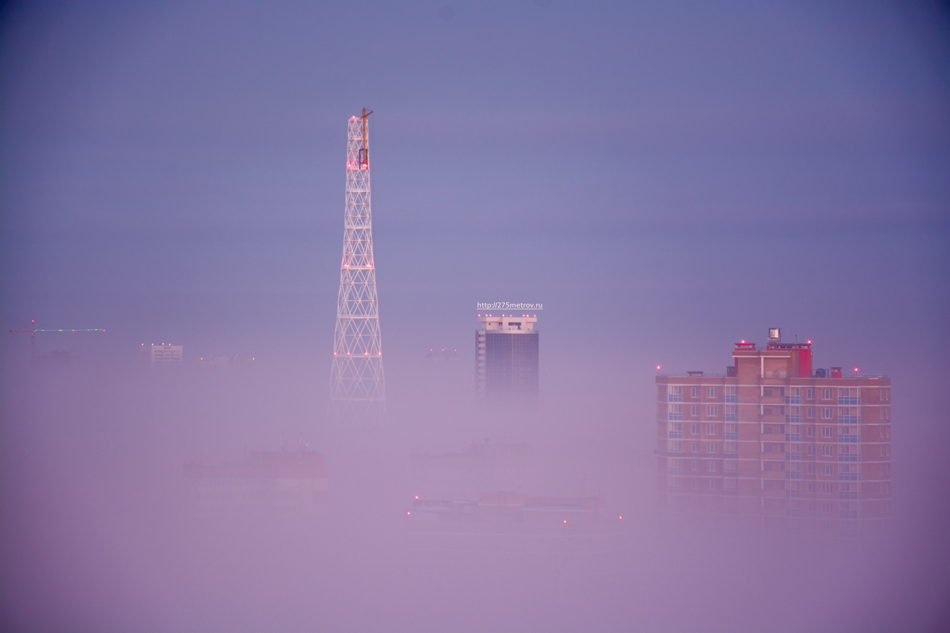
(32, 332)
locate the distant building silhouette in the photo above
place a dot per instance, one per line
(285, 480)
(777, 443)
(506, 356)
(164, 356)
(441, 355)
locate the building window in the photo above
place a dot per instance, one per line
(826, 413)
(847, 395)
(826, 451)
(826, 431)
(811, 487)
(766, 410)
(732, 413)
(711, 392)
(732, 432)
(810, 412)
(885, 413)
(710, 467)
(826, 507)
(885, 394)
(694, 429)
(731, 394)
(676, 430)
(676, 412)
(766, 392)
(794, 395)
(810, 394)
(712, 411)
(827, 469)
(885, 470)
(731, 466)
(731, 447)
(811, 431)
(811, 450)
(885, 432)
(694, 392)
(694, 411)
(694, 447)
(712, 484)
(810, 469)
(712, 429)
(675, 446)
(676, 393)
(885, 450)
(695, 484)
(826, 394)
(712, 448)
(694, 465)
(826, 489)
(885, 489)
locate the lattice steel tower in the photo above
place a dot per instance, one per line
(357, 384)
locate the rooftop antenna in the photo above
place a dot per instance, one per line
(364, 151)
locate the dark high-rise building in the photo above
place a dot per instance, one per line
(506, 356)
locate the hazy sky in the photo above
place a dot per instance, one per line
(666, 178)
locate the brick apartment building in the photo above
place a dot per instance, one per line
(776, 442)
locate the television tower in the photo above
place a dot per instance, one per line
(357, 384)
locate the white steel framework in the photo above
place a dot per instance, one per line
(357, 384)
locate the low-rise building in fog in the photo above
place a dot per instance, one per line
(513, 520)
(163, 356)
(775, 442)
(506, 356)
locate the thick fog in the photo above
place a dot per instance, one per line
(665, 179)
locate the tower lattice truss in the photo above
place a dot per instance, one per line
(357, 384)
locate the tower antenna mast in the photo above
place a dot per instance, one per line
(357, 383)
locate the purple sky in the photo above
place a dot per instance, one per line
(666, 178)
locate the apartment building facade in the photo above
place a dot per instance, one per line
(777, 443)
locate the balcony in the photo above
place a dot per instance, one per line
(793, 437)
(675, 435)
(847, 476)
(848, 514)
(848, 400)
(847, 495)
(793, 419)
(848, 457)
(848, 438)
(793, 474)
(793, 457)
(676, 397)
(731, 435)
(793, 399)
(729, 398)
(847, 419)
